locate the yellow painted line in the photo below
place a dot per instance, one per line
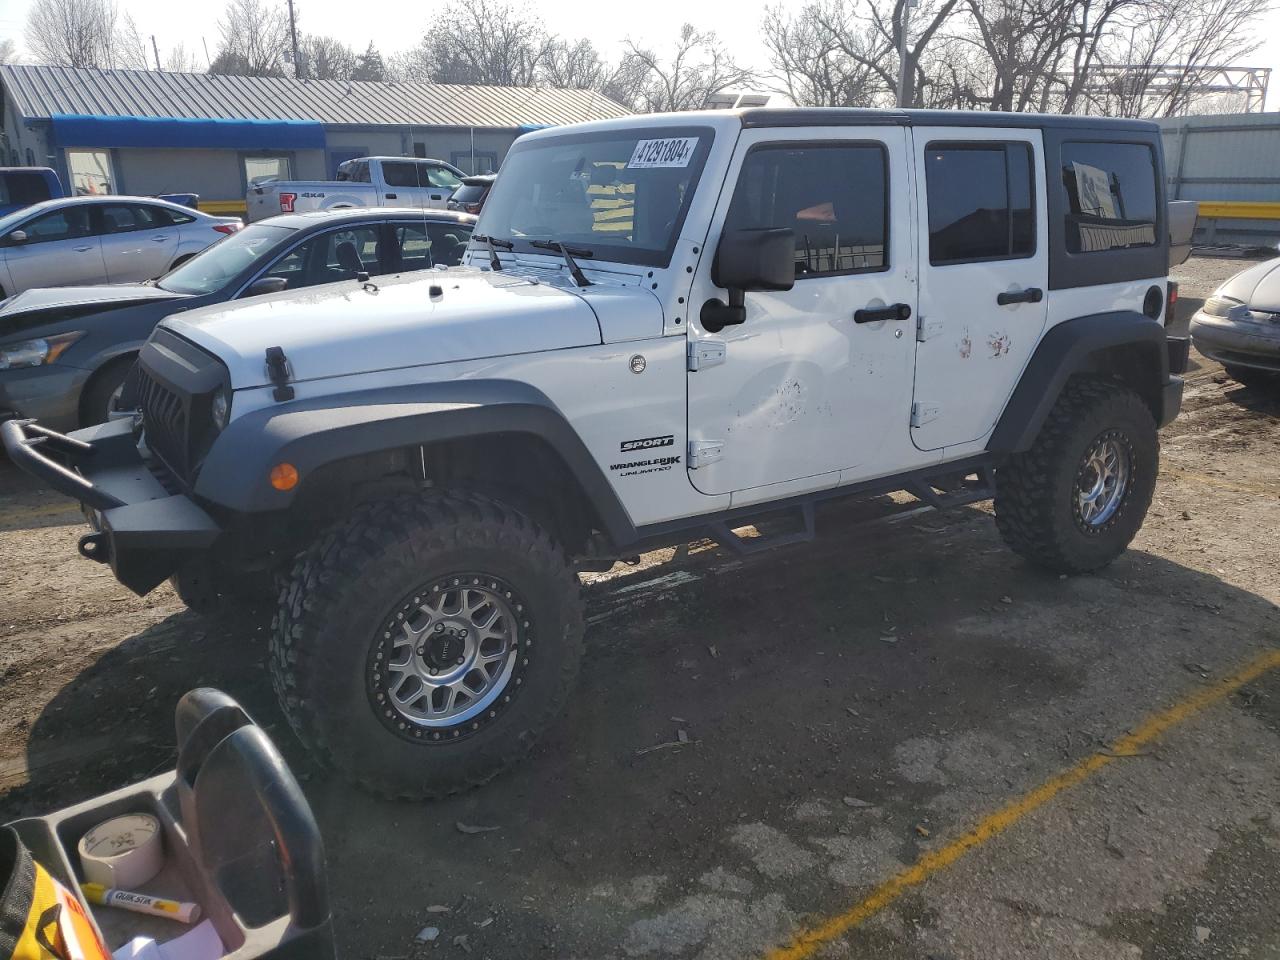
(1239, 210)
(224, 208)
(1235, 486)
(808, 942)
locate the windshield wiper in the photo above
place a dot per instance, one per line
(568, 253)
(494, 243)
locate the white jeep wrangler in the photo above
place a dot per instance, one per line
(665, 327)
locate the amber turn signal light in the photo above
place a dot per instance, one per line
(284, 476)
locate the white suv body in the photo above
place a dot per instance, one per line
(664, 328)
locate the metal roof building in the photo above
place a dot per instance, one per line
(147, 132)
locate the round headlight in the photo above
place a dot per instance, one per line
(221, 409)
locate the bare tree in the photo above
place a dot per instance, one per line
(8, 51)
(324, 58)
(255, 40)
(486, 41)
(181, 60)
(573, 64)
(822, 57)
(698, 67)
(72, 33)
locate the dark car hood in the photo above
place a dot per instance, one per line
(33, 308)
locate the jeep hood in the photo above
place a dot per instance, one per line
(345, 328)
(1258, 286)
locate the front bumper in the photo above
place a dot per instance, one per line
(142, 530)
(50, 394)
(1239, 344)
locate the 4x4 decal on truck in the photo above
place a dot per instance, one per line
(647, 443)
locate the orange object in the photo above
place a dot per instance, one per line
(284, 476)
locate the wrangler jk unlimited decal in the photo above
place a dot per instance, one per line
(636, 467)
(646, 444)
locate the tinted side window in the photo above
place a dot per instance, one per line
(421, 245)
(1111, 196)
(981, 201)
(22, 188)
(117, 218)
(66, 224)
(399, 174)
(833, 196)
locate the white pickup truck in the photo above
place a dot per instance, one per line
(366, 182)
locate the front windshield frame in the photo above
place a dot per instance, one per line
(283, 236)
(615, 253)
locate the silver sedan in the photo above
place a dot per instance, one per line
(83, 240)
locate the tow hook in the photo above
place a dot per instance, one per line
(95, 546)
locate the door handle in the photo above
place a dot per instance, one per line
(435, 196)
(391, 196)
(895, 311)
(1029, 295)
(159, 239)
(83, 249)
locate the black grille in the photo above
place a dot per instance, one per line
(164, 417)
(176, 384)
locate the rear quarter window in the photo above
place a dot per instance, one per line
(1111, 196)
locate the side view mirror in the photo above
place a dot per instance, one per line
(762, 259)
(266, 285)
(18, 236)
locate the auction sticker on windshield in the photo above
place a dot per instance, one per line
(671, 152)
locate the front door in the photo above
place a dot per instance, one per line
(807, 386)
(60, 249)
(984, 272)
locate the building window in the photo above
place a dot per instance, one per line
(980, 201)
(475, 162)
(833, 196)
(257, 169)
(90, 172)
(420, 150)
(1111, 195)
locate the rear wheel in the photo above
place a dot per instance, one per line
(422, 645)
(1075, 500)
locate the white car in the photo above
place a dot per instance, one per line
(365, 182)
(82, 240)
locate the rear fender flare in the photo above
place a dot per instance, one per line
(1081, 346)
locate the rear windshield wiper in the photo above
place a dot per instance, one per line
(494, 243)
(568, 253)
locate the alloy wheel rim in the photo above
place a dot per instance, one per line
(450, 657)
(1102, 482)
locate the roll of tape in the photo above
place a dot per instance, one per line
(124, 852)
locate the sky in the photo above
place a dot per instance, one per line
(388, 24)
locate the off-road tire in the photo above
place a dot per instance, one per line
(1035, 490)
(1252, 376)
(339, 597)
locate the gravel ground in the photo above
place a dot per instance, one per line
(821, 758)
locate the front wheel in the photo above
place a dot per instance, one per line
(422, 645)
(1077, 498)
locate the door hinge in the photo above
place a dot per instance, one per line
(706, 353)
(923, 412)
(703, 452)
(927, 327)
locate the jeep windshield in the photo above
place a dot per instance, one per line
(621, 194)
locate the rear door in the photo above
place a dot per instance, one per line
(400, 184)
(60, 250)
(984, 271)
(138, 243)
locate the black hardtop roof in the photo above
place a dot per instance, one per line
(864, 116)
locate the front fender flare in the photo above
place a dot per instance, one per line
(312, 433)
(1081, 346)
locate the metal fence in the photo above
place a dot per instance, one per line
(1231, 164)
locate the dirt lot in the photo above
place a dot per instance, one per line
(854, 709)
